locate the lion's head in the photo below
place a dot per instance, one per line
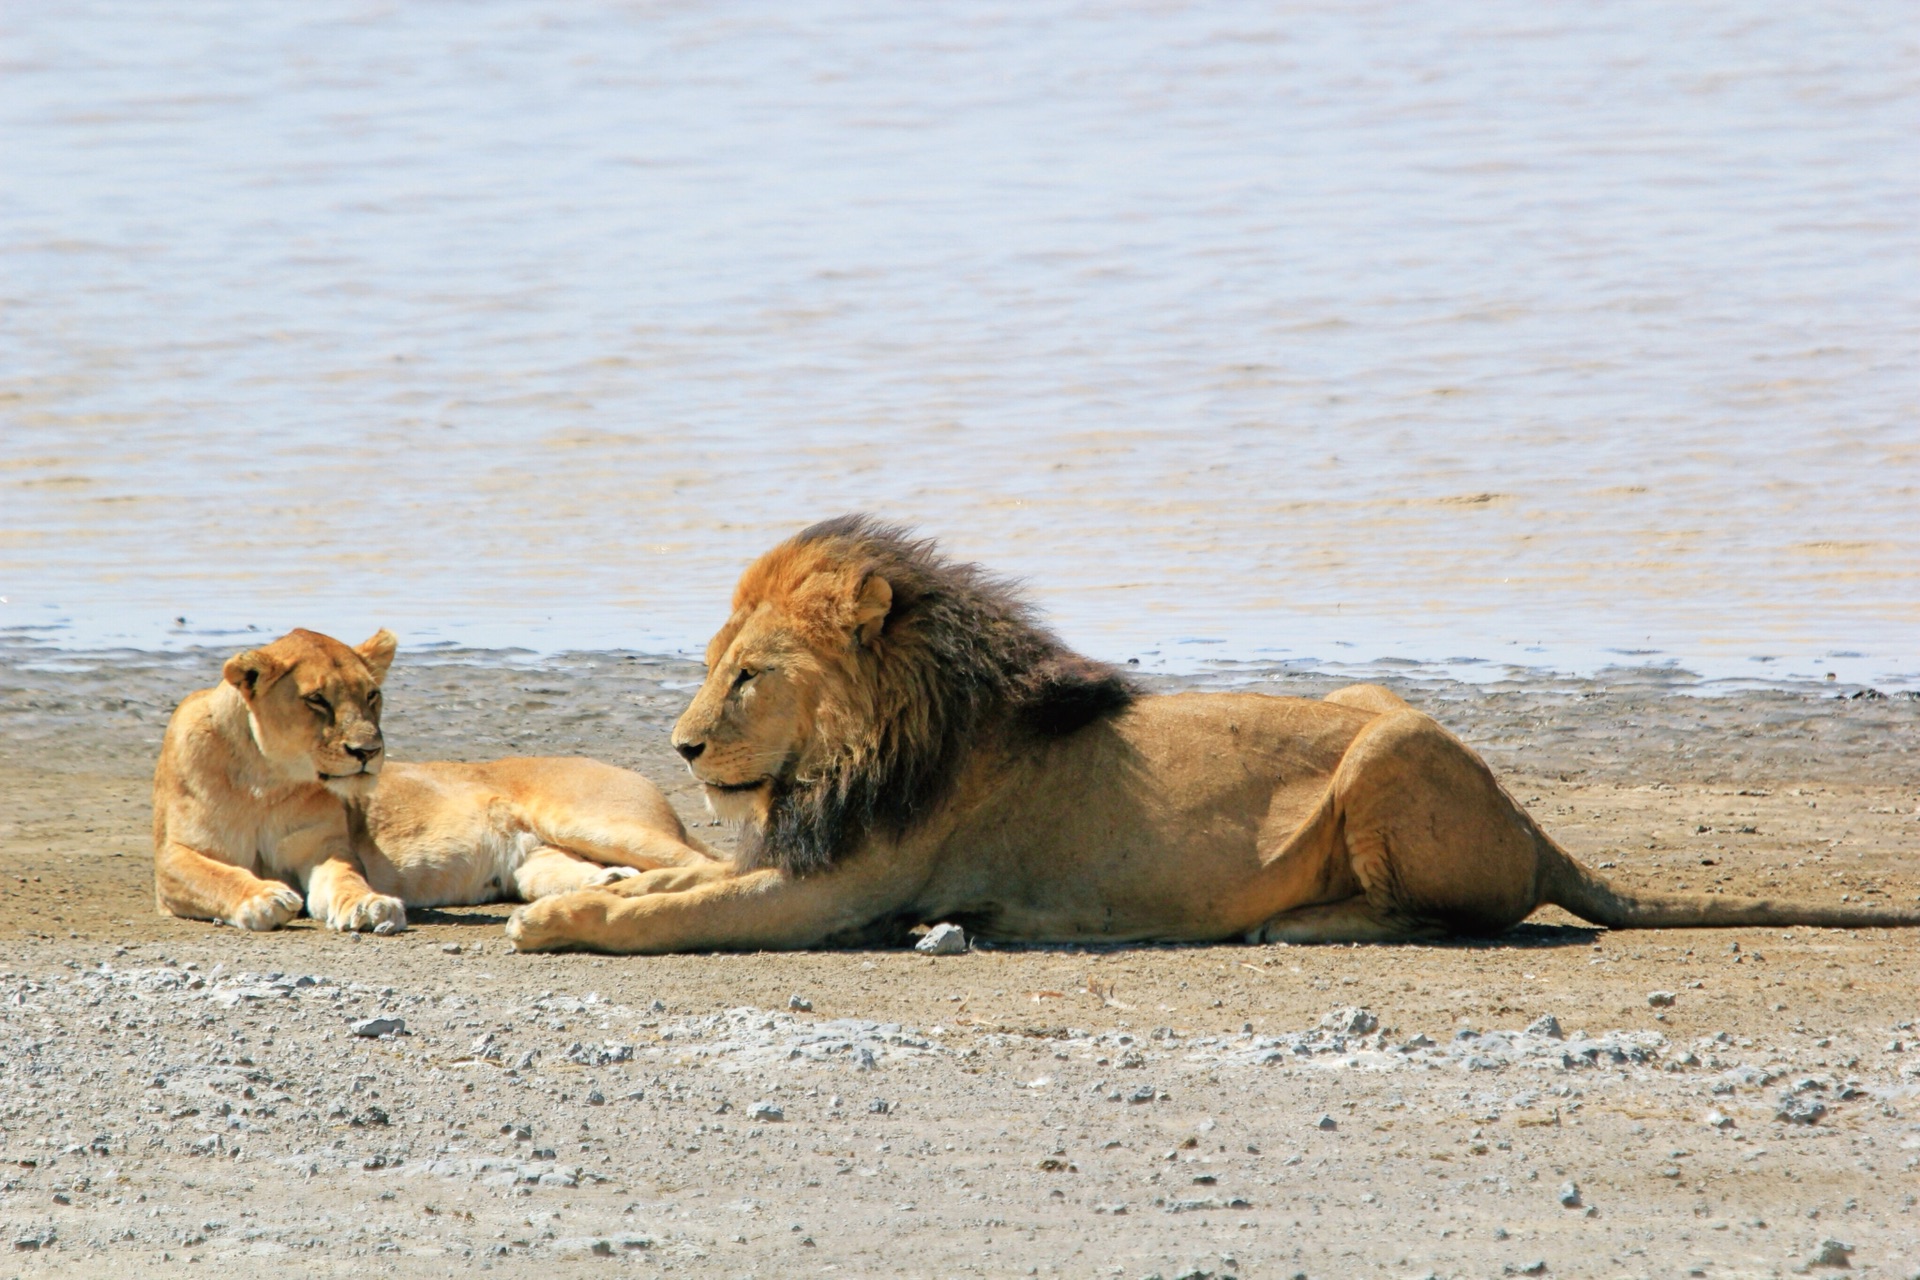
(858, 668)
(314, 707)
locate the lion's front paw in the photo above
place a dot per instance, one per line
(610, 875)
(268, 909)
(375, 913)
(556, 923)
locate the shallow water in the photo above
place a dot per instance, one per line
(1470, 335)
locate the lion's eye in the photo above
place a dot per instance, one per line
(740, 681)
(373, 699)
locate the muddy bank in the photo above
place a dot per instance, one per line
(172, 1090)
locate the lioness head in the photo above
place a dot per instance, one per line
(313, 705)
(857, 669)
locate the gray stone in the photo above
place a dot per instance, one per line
(1547, 1027)
(375, 1027)
(1831, 1253)
(943, 940)
(1660, 999)
(1327, 1123)
(1570, 1195)
(799, 1004)
(1800, 1109)
(766, 1111)
(1350, 1021)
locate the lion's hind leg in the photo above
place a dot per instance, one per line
(1353, 920)
(1368, 697)
(1430, 836)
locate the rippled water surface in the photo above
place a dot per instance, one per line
(1553, 334)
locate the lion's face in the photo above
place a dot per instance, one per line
(783, 686)
(314, 707)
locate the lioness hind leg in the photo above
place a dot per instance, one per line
(1354, 920)
(550, 869)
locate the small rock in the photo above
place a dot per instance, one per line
(800, 1004)
(375, 1027)
(1570, 1196)
(1831, 1253)
(1145, 1093)
(943, 940)
(1718, 1120)
(1117, 1210)
(1326, 1123)
(879, 1106)
(1538, 1267)
(1660, 999)
(766, 1111)
(451, 948)
(603, 1247)
(1546, 1025)
(1800, 1109)
(595, 1098)
(1350, 1020)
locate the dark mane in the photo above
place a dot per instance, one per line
(959, 656)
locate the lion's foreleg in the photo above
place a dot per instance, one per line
(760, 910)
(190, 884)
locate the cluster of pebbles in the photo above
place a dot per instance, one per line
(174, 1113)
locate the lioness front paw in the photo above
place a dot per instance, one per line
(375, 913)
(609, 875)
(268, 909)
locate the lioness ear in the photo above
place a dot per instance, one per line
(377, 652)
(252, 671)
(870, 608)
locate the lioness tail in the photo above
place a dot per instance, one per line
(1566, 883)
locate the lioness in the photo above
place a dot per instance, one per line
(903, 744)
(266, 790)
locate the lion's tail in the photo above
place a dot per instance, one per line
(1566, 883)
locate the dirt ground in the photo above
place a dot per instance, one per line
(173, 1093)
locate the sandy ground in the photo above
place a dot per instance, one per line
(173, 1093)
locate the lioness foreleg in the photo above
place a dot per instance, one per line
(189, 884)
(338, 893)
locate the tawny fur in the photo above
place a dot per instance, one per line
(270, 797)
(1188, 817)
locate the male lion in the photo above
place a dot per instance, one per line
(266, 788)
(903, 744)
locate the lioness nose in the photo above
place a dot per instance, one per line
(364, 754)
(689, 751)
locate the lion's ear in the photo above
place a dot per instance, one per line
(377, 652)
(252, 671)
(870, 608)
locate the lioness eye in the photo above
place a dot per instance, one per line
(745, 675)
(318, 703)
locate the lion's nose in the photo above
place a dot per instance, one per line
(364, 754)
(689, 751)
